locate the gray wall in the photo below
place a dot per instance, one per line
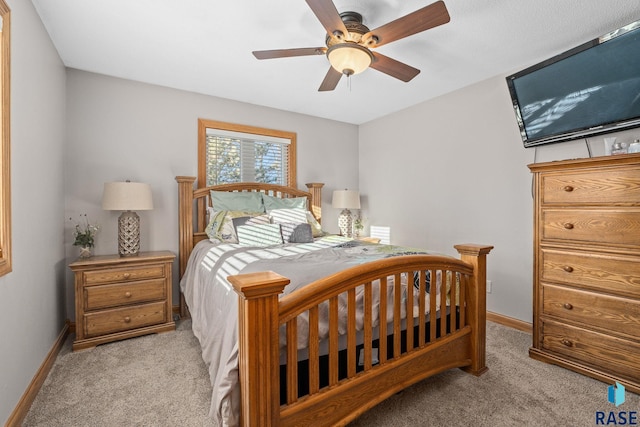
(460, 163)
(33, 295)
(119, 129)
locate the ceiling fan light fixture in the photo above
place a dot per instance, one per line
(349, 58)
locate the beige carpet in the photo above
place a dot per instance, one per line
(161, 380)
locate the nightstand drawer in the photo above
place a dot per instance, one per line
(605, 312)
(97, 297)
(611, 187)
(621, 357)
(602, 272)
(612, 227)
(123, 319)
(124, 274)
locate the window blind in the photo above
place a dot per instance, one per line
(238, 157)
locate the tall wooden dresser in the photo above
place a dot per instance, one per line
(586, 301)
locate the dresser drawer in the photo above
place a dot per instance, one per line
(617, 356)
(124, 274)
(606, 226)
(97, 297)
(620, 186)
(123, 319)
(606, 273)
(605, 312)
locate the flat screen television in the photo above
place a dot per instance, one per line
(591, 89)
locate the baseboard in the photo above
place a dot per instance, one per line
(510, 322)
(21, 410)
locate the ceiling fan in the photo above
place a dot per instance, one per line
(349, 41)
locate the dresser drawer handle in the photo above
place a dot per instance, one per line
(568, 226)
(127, 319)
(126, 275)
(567, 342)
(568, 268)
(568, 188)
(568, 306)
(127, 294)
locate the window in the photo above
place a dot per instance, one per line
(5, 153)
(236, 153)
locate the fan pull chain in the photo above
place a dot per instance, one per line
(349, 82)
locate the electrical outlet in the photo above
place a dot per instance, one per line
(488, 286)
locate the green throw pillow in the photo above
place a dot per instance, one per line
(237, 201)
(271, 202)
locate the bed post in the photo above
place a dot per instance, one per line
(258, 346)
(315, 188)
(185, 228)
(476, 255)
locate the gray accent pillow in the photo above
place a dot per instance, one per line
(302, 233)
(289, 219)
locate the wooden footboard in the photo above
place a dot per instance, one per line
(448, 331)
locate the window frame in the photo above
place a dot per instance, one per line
(204, 124)
(5, 140)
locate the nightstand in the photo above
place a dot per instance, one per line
(122, 297)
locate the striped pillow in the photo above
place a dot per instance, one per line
(259, 235)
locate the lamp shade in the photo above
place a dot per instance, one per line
(349, 58)
(126, 196)
(346, 199)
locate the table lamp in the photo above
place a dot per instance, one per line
(127, 197)
(345, 200)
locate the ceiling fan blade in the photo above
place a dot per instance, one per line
(330, 80)
(393, 68)
(285, 53)
(328, 15)
(422, 19)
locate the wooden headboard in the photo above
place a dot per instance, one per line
(192, 204)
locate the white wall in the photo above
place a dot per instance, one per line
(462, 173)
(119, 129)
(33, 295)
(447, 171)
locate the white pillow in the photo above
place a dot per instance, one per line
(259, 235)
(294, 215)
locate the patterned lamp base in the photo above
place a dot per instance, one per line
(128, 234)
(345, 223)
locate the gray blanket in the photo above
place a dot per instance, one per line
(214, 308)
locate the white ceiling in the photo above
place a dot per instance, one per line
(205, 46)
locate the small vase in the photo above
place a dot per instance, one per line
(86, 251)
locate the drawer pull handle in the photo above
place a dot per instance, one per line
(567, 342)
(127, 275)
(127, 319)
(568, 306)
(127, 294)
(568, 268)
(568, 226)
(568, 189)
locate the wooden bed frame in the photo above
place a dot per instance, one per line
(410, 355)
